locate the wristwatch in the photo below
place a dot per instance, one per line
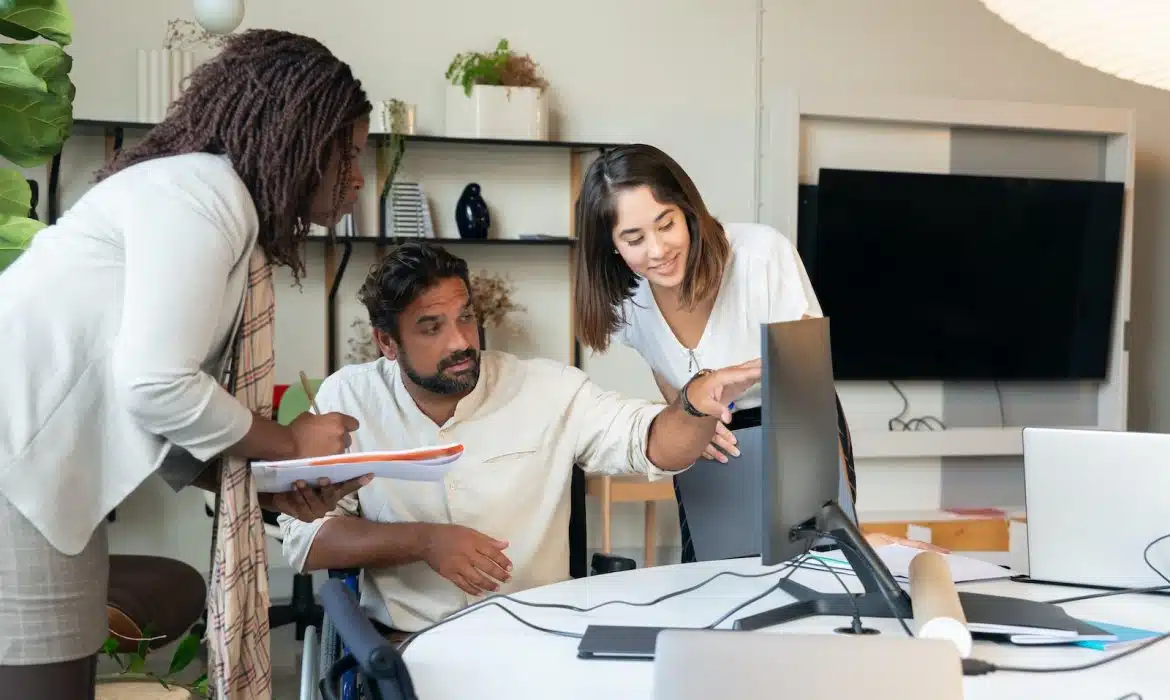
(686, 401)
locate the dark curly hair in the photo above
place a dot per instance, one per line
(278, 104)
(402, 276)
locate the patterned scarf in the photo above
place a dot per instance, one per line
(240, 658)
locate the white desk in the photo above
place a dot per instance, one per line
(486, 654)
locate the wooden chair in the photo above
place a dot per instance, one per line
(630, 489)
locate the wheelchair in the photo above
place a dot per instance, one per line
(348, 658)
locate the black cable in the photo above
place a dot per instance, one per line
(884, 593)
(1002, 412)
(787, 568)
(1126, 591)
(979, 667)
(900, 422)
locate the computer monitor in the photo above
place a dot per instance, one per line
(800, 477)
(799, 498)
(798, 444)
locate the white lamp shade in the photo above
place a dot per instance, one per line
(219, 16)
(1129, 39)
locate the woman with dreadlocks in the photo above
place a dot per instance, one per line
(138, 338)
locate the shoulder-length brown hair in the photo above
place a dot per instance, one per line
(603, 280)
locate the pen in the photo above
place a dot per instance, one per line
(312, 398)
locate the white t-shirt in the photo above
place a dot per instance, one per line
(765, 282)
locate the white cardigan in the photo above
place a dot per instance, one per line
(115, 327)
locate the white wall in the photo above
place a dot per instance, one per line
(678, 73)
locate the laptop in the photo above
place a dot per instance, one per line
(704, 664)
(1095, 500)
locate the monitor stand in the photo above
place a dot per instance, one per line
(884, 598)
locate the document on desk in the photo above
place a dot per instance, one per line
(421, 464)
(897, 558)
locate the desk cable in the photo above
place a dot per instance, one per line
(785, 570)
(979, 667)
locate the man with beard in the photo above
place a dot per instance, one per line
(498, 521)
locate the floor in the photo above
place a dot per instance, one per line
(286, 650)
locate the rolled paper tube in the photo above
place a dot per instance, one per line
(938, 614)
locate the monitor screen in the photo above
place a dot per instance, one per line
(961, 277)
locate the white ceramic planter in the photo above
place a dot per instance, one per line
(496, 112)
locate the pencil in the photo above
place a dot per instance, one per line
(309, 393)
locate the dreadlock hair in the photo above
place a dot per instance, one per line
(277, 104)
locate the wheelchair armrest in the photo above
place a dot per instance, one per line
(368, 650)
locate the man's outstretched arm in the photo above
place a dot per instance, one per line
(618, 435)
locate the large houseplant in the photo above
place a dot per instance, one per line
(36, 107)
(496, 94)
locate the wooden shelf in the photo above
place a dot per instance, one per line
(955, 442)
(379, 138)
(375, 240)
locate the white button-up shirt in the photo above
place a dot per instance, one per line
(523, 427)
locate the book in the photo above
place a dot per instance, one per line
(418, 464)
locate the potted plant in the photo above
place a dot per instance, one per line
(497, 94)
(128, 682)
(36, 108)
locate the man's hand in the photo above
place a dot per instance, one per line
(712, 393)
(468, 558)
(722, 444)
(309, 503)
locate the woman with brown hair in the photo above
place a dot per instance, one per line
(138, 339)
(657, 272)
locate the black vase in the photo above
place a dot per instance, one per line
(471, 213)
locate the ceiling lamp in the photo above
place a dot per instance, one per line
(219, 16)
(1128, 39)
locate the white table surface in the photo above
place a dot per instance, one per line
(486, 654)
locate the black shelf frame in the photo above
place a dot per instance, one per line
(118, 128)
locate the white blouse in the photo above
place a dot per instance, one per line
(765, 282)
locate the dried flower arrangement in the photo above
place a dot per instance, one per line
(185, 35)
(500, 67)
(491, 295)
(362, 347)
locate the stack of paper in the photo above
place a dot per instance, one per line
(897, 558)
(422, 464)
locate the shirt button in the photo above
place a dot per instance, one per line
(453, 486)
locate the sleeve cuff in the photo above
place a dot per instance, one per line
(223, 423)
(639, 460)
(297, 539)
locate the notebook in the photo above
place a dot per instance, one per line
(420, 464)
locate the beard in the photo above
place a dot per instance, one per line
(441, 382)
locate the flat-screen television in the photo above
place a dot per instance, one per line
(961, 277)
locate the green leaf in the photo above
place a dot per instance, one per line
(137, 664)
(27, 19)
(111, 644)
(185, 653)
(36, 102)
(15, 194)
(200, 686)
(16, 233)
